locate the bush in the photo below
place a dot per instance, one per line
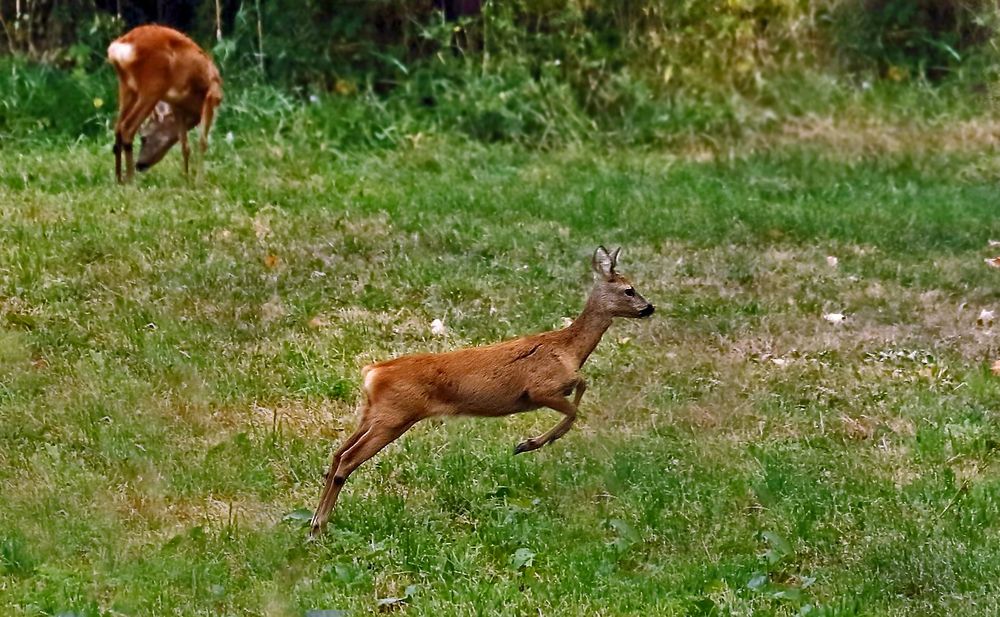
(539, 72)
(918, 38)
(36, 98)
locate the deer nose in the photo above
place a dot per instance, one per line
(140, 166)
(646, 312)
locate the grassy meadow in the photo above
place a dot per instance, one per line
(177, 361)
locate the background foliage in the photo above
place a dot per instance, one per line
(532, 71)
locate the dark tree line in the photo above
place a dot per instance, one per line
(36, 27)
(321, 41)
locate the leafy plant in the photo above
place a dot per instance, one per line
(914, 38)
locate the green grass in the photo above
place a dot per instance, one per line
(177, 361)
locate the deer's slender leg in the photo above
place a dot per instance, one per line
(581, 387)
(185, 149)
(366, 446)
(330, 489)
(118, 149)
(207, 116)
(129, 126)
(126, 100)
(569, 416)
(363, 427)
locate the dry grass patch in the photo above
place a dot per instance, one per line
(853, 137)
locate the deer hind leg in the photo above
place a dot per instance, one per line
(350, 456)
(128, 126)
(363, 427)
(126, 100)
(330, 490)
(581, 387)
(207, 116)
(185, 149)
(118, 149)
(569, 416)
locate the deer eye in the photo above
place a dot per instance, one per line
(629, 292)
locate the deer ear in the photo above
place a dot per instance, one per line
(161, 112)
(603, 263)
(614, 257)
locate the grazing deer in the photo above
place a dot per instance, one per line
(162, 75)
(534, 371)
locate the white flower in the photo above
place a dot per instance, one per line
(832, 261)
(230, 138)
(438, 328)
(985, 317)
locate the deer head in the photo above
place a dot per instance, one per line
(161, 132)
(613, 294)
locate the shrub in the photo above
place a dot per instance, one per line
(918, 38)
(38, 98)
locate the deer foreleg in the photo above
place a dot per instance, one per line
(569, 416)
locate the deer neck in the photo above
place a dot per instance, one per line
(586, 330)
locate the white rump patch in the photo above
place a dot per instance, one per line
(121, 53)
(369, 378)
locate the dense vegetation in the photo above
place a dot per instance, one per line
(551, 73)
(177, 358)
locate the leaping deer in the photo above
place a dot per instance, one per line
(540, 370)
(164, 73)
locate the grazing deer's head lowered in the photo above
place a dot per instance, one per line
(540, 370)
(164, 73)
(165, 126)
